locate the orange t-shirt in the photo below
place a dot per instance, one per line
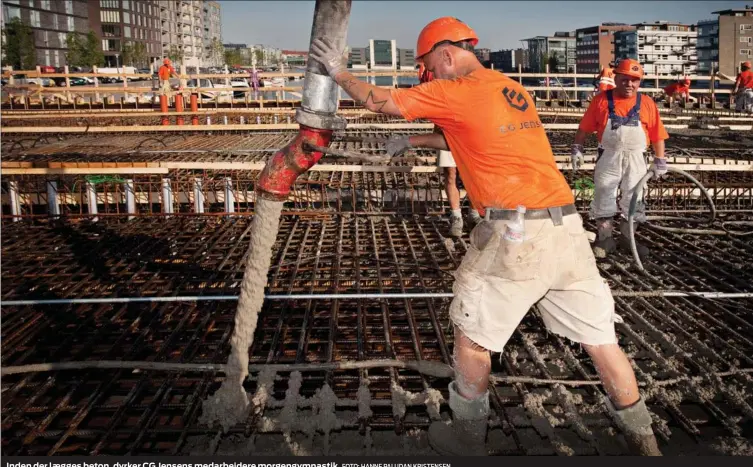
(596, 117)
(677, 88)
(165, 71)
(745, 80)
(496, 137)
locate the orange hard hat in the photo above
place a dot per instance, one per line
(166, 61)
(424, 75)
(443, 29)
(686, 81)
(629, 67)
(746, 64)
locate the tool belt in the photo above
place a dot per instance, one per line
(556, 213)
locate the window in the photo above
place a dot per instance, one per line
(746, 27)
(11, 12)
(44, 4)
(744, 51)
(127, 31)
(34, 18)
(109, 16)
(110, 30)
(126, 4)
(47, 57)
(56, 57)
(69, 7)
(744, 40)
(71, 25)
(109, 3)
(126, 17)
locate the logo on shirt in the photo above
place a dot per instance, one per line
(516, 101)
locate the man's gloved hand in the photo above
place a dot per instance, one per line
(333, 60)
(659, 167)
(576, 154)
(396, 146)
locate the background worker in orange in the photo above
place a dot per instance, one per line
(743, 90)
(679, 90)
(502, 152)
(165, 72)
(606, 79)
(625, 122)
(397, 146)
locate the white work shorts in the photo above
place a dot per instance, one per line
(554, 268)
(445, 159)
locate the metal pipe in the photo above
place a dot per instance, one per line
(317, 116)
(53, 207)
(229, 196)
(15, 202)
(91, 199)
(198, 196)
(167, 196)
(374, 296)
(130, 195)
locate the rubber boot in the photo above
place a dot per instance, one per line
(604, 244)
(456, 226)
(643, 252)
(635, 423)
(466, 435)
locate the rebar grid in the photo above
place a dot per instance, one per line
(118, 411)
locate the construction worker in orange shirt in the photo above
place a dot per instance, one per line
(625, 122)
(743, 90)
(397, 146)
(531, 247)
(606, 79)
(165, 72)
(679, 90)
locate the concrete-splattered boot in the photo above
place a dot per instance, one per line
(456, 226)
(635, 423)
(466, 436)
(605, 243)
(642, 249)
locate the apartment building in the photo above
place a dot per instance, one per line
(546, 49)
(382, 54)
(725, 42)
(212, 37)
(126, 22)
(50, 21)
(663, 48)
(502, 60)
(594, 46)
(358, 58)
(406, 59)
(482, 55)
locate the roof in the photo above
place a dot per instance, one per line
(725, 12)
(296, 52)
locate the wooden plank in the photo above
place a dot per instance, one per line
(83, 171)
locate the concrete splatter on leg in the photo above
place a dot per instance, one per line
(230, 404)
(472, 366)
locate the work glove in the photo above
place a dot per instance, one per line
(576, 155)
(325, 53)
(396, 146)
(659, 167)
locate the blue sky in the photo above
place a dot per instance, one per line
(499, 24)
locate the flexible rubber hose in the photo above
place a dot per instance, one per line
(634, 204)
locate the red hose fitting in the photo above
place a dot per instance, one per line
(289, 162)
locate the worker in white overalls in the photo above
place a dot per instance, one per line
(625, 123)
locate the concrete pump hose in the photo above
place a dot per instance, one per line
(638, 195)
